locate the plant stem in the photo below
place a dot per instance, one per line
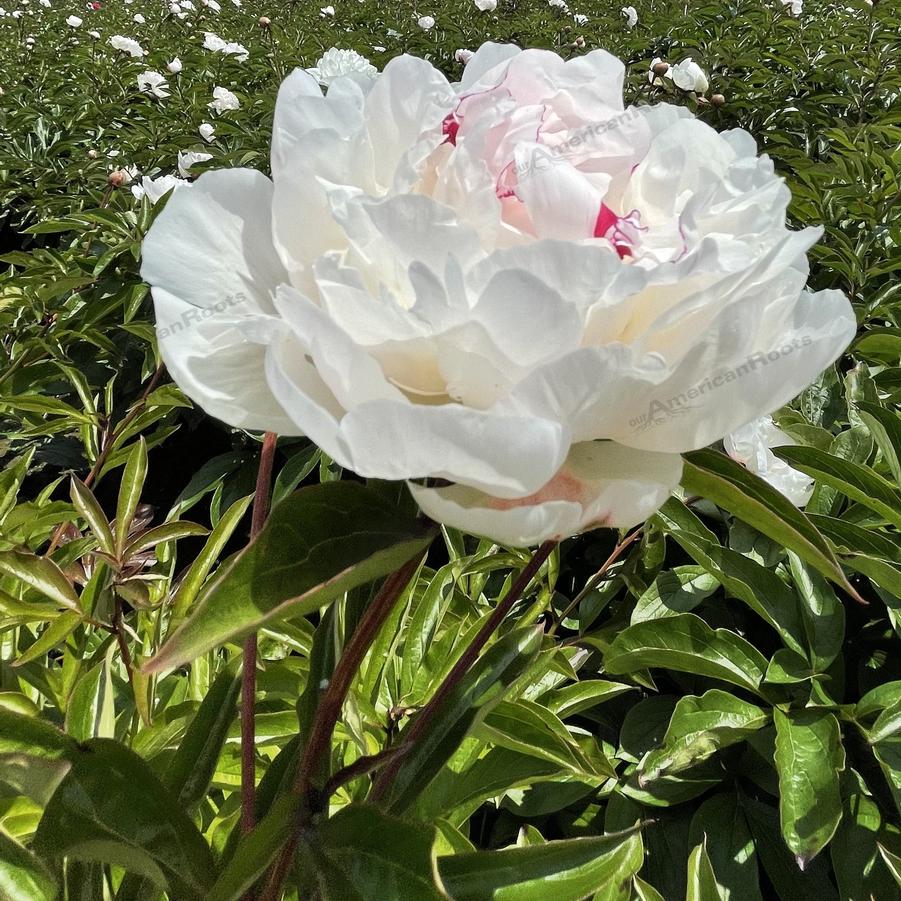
(319, 744)
(462, 666)
(249, 667)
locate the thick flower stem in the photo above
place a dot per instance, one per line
(249, 668)
(319, 744)
(425, 716)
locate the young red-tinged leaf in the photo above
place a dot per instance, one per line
(132, 485)
(86, 504)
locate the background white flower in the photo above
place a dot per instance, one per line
(74, 21)
(207, 132)
(174, 66)
(486, 5)
(157, 188)
(751, 446)
(426, 23)
(223, 99)
(463, 55)
(139, 19)
(631, 15)
(126, 45)
(334, 63)
(155, 83)
(688, 76)
(187, 158)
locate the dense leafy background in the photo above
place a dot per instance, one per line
(719, 684)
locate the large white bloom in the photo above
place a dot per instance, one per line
(153, 83)
(223, 99)
(631, 15)
(513, 284)
(207, 132)
(213, 42)
(334, 63)
(126, 45)
(751, 446)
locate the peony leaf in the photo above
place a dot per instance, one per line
(316, 545)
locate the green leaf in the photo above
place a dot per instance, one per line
(111, 808)
(686, 643)
(86, 504)
(91, 710)
(316, 545)
(822, 614)
(677, 590)
(720, 479)
(702, 884)
(11, 481)
(854, 480)
(576, 868)
(362, 853)
(43, 575)
(132, 485)
(809, 759)
(168, 531)
(701, 726)
(885, 427)
(191, 769)
(34, 756)
(583, 695)
(471, 699)
(22, 876)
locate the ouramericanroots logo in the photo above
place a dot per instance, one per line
(193, 315)
(661, 410)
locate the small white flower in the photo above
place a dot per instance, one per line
(73, 21)
(45, 3)
(187, 158)
(17, 14)
(223, 99)
(486, 6)
(463, 56)
(155, 83)
(794, 7)
(327, 11)
(213, 42)
(558, 4)
(207, 132)
(157, 188)
(29, 41)
(174, 66)
(212, 4)
(426, 23)
(335, 63)
(580, 19)
(688, 76)
(187, 4)
(138, 18)
(750, 445)
(631, 15)
(95, 35)
(126, 45)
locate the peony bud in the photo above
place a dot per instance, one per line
(118, 178)
(579, 42)
(264, 21)
(92, 154)
(717, 99)
(660, 69)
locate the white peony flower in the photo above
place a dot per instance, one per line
(17, 14)
(213, 5)
(187, 158)
(174, 66)
(153, 83)
(335, 63)
(750, 445)
(95, 35)
(793, 7)
(513, 284)
(126, 45)
(207, 132)
(138, 18)
(223, 99)
(463, 56)
(486, 6)
(213, 42)
(688, 76)
(74, 21)
(157, 188)
(46, 4)
(327, 11)
(558, 4)
(580, 19)
(631, 15)
(426, 23)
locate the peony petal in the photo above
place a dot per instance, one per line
(600, 484)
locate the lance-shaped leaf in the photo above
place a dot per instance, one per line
(316, 545)
(111, 807)
(855, 480)
(566, 870)
(42, 574)
(130, 492)
(34, 756)
(686, 643)
(699, 727)
(809, 758)
(22, 876)
(720, 479)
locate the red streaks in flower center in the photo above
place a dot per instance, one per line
(562, 487)
(620, 231)
(449, 128)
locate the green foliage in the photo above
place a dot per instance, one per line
(717, 715)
